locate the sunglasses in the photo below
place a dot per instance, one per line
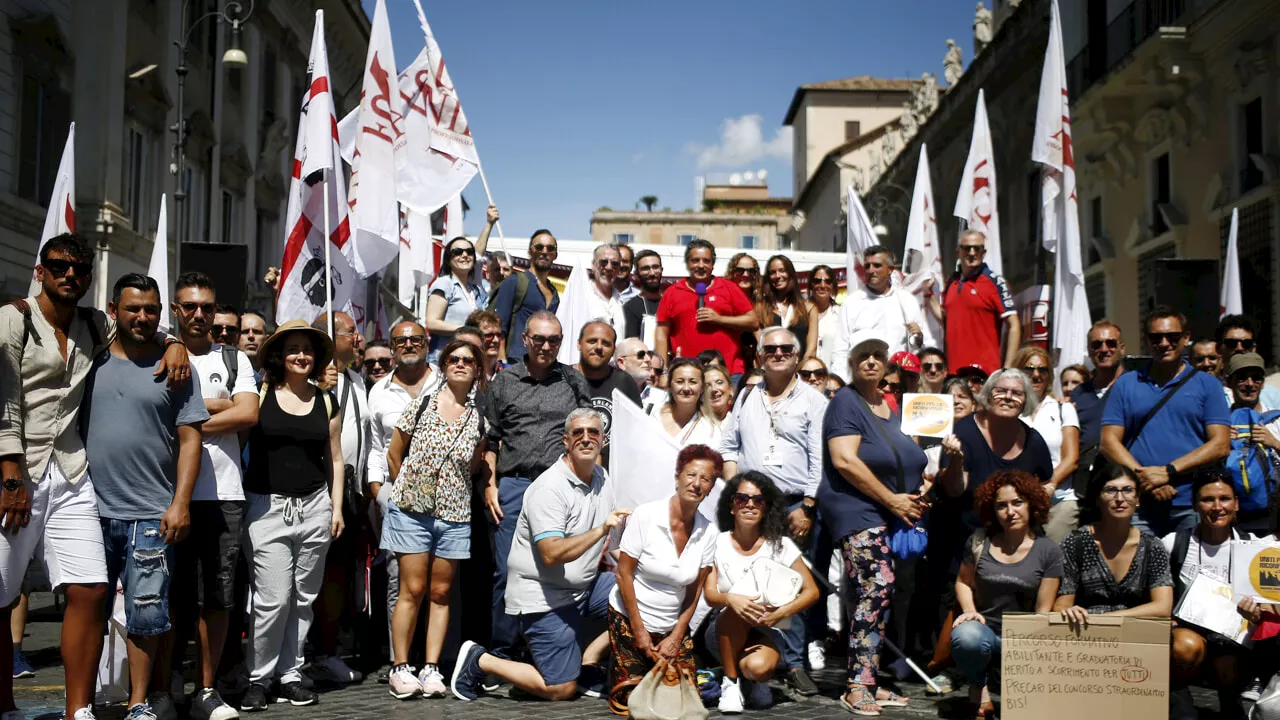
(190, 307)
(466, 360)
(742, 500)
(640, 354)
(894, 387)
(745, 271)
(1155, 339)
(460, 252)
(609, 263)
(1246, 344)
(1109, 343)
(973, 249)
(220, 330)
(806, 374)
(1249, 375)
(543, 248)
(587, 432)
(496, 335)
(403, 340)
(541, 340)
(1035, 369)
(820, 281)
(930, 367)
(787, 349)
(371, 363)
(59, 268)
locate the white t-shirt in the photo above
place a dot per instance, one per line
(662, 576)
(1214, 560)
(732, 566)
(1049, 420)
(220, 476)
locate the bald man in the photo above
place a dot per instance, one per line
(976, 306)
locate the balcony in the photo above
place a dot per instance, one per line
(1133, 26)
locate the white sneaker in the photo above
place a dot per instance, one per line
(432, 682)
(761, 696)
(331, 669)
(84, 713)
(402, 684)
(817, 655)
(730, 697)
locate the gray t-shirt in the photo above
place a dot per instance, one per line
(999, 588)
(131, 421)
(557, 504)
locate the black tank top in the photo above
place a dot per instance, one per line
(289, 451)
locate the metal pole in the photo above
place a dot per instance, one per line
(180, 146)
(328, 262)
(489, 196)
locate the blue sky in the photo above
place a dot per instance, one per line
(579, 104)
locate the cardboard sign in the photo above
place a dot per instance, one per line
(1255, 571)
(927, 415)
(1115, 668)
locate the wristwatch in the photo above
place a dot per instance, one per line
(810, 508)
(12, 484)
(1171, 470)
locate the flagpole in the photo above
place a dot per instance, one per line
(328, 262)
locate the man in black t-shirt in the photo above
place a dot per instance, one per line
(596, 342)
(644, 304)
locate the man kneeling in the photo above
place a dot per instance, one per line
(554, 587)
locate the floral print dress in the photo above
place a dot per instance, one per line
(435, 477)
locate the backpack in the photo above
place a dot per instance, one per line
(522, 289)
(86, 316)
(233, 367)
(1254, 469)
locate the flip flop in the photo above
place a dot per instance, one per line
(866, 705)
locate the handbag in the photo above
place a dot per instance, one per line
(772, 584)
(1268, 705)
(429, 497)
(667, 692)
(906, 543)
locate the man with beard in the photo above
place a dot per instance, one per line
(379, 361)
(626, 289)
(205, 562)
(47, 505)
(491, 333)
(879, 311)
(525, 293)
(253, 332)
(640, 313)
(595, 345)
(704, 312)
(387, 399)
(604, 301)
(143, 440)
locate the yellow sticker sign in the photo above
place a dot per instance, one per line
(1264, 573)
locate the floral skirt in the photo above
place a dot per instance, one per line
(629, 663)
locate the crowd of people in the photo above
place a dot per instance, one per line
(253, 489)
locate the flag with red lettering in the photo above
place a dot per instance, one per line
(976, 198)
(1051, 147)
(314, 267)
(417, 259)
(61, 216)
(922, 259)
(375, 219)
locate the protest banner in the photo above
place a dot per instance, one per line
(1112, 668)
(927, 414)
(1255, 571)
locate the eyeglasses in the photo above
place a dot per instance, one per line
(1255, 376)
(495, 335)
(746, 271)
(371, 363)
(460, 360)
(587, 432)
(540, 248)
(403, 340)
(190, 308)
(787, 349)
(1127, 491)
(541, 340)
(609, 263)
(820, 281)
(1246, 344)
(461, 251)
(1110, 343)
(1035, 369)
(640, 354)
(58, 267)
(973, 249)
(1008, 392)
(742, 500)
(930, 367)
(1158, 339)
(819, 373)
(220, 330)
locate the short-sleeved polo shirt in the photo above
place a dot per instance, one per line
(974, 308)
(1181, 425)
(679, 309)
(556, 505)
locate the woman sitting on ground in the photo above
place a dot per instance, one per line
(752, 515)
(1008, 567)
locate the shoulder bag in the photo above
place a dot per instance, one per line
(667, 692)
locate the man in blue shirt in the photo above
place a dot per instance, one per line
(527, 292)
(1191, 430)
(1106, 352)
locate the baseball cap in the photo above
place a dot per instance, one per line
(906, 361)
(971, 371)
(1242, 361)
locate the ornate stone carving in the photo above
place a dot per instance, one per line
(982, 29)
(952, 63)
(925, 98)
(1156, 126)
(909, 121)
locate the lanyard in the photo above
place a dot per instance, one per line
(1200, 552)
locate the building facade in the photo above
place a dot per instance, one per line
(109, 65)
(736, 213)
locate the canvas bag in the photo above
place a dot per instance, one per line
(666, 693)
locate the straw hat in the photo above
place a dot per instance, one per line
(321, 342)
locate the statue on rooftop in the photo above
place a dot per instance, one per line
(952, 63)
(982, 29)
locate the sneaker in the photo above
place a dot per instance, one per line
(1250, 694)
(432, 682)
(730, 697)
(402, 684)
(800, 682)
(21, 668)
(84, 713)
(817, 655)
(760, 697)
(177, 688)
(943, 681)
(296, 694)
(307, 681)
(332, 670)
(467, 674)
(591, 681)
(162, 706)
(255, 698)
(141, 711)
(207, 704)
(491, 683)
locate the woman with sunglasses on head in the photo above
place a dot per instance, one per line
(1059, 427)
(752, 515)
(687, 415)
(871, 485)
(718, 389)
(454, 295)
(814, 372)
(744, 271)
(437, 449)
(782, 304)
(822, 295)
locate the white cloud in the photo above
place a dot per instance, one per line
(742, 143)
(637, 158)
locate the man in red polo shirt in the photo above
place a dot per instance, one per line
(974, 305)
(690, 322)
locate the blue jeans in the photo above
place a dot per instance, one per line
(974, 647)
(792, 639)
(138, 557)
(1160, 519)
(506, 631)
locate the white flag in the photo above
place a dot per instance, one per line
(158, 269)
(417, 257)
(922, 261)
(1051, 147)
(1232, 302)
(859, 235)
(312, 267)
(61, 216)
(375, 219)
(574, 311)
(642, 459)
(976, 198)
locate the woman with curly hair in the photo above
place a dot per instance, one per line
(782, 303)
(752, 514)
(1008, 567)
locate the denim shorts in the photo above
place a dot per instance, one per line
(556, 638)
(411, 532)
(139, 558)
(205, 561)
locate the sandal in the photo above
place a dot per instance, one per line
(986, 711)
(893, 699)
(865, 702)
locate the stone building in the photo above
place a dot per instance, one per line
(735, 212)
(110, 66)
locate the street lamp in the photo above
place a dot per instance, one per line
(234, 59)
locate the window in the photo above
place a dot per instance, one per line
(136, 188)
(43, 126)
(231, 230)
(623, 238)
(1161, 192)
(685, 238)
(749, 242)
(1096, 231)
(852, 129)
(1250, 144)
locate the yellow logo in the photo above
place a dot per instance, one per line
(1264, 573)
(924, 407)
